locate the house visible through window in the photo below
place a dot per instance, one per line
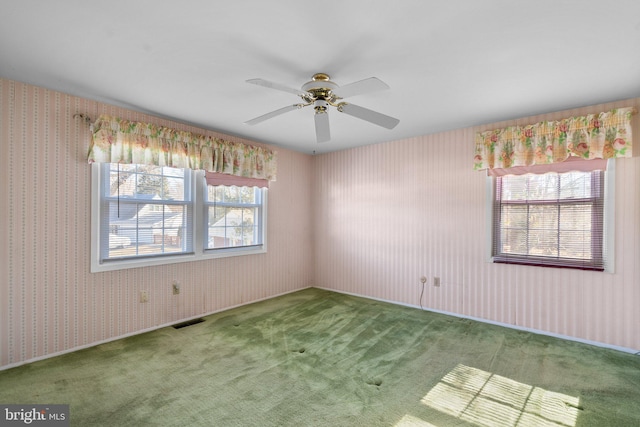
(147, 210)
(553, 219)
(234, 216)
(150, 215)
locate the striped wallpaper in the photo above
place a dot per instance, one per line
(49, 301)
(385, 215)
(369, 221)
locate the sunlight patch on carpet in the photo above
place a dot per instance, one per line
(490, 400)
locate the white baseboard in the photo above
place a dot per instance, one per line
(142, 331)
(492, 322)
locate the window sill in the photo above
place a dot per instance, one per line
(538, 262)
(112, 265)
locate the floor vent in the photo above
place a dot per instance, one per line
(187, 323)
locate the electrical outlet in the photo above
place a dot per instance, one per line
(423, 280)
(436, 281)
(144, 296)
(176, 287)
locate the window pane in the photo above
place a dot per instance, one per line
(146, 182)
(542, 187)
(551, 219)
(173, 188)
(543, 217)
(514, 216)
(138, 219)
(247, 195)
(543, 242)
(575, 186)
(569, 248)
(231, 227)
(233, 195)
(514, 242)
(121, 183)
(146, 217)
(146, 229)
(576, 217)
(514, 188)
(212, 193)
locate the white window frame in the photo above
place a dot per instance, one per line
(259, 206)
(198, 190)
(608, 229)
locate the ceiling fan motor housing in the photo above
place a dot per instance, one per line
(321, 87)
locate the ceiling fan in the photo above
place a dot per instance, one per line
(321, 92)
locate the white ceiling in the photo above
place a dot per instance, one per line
(450, 64)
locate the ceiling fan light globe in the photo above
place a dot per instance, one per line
(320, 106)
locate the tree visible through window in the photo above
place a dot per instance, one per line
(234, 216)
(147, 210)
(555, 219)
(146, 215)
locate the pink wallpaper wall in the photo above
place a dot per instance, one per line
(387, 214)
(49, 301)
(368, 221)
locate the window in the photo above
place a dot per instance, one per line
(234, 216)
(554, 219)
(147, 211)
(149, 215)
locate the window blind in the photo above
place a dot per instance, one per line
(554, 219)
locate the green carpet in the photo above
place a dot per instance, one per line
(317, 358)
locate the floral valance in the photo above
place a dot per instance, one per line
(595, 136)
(116, 140)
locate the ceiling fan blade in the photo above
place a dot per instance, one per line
(322, 127)
(272, 114)
(369, 115)
(277, 86)
(371, 84)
